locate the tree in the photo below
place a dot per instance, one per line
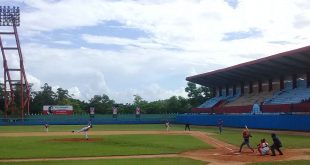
(172, 105)
(78, 106)
(185, 107)
(102, 104)
(62, 96)
(139, 102)
(155, 107)
(197, 95)
(40, 98)
(126, 108)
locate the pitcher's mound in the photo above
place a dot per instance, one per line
(76, 140)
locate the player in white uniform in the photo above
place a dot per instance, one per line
(167, 124)
(263, 147)
(84, 130)
(46, 127)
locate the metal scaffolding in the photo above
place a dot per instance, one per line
(15, 88)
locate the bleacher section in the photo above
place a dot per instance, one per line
(287, 100)
(250, 99)
(211, 102)
(220, 99)
(232, 98)
(286, 96)
(290, 96)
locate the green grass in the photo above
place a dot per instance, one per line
(115, 127)
(42, 147)
(148, 161)
(232, 136)
(294, 162)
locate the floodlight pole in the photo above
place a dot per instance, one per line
(10, 16)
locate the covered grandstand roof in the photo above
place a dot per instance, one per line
(286, 63)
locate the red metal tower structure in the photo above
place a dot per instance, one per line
(15, 85)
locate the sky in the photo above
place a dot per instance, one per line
(148, 48)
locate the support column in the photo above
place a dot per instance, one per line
(281, 83)
(227, 90)
(308, 79)
(250, 87)
(260, 89)
(294, 80)
(270, 85)
(213, 91)
(241, 88)
(220, 91)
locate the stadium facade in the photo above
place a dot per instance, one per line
(268, 93)
(275, 84)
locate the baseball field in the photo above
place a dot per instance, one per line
(143, 144)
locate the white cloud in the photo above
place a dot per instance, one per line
(145, 65)
(35, 82)
(63, 42)
(75, 92)
(145, 43)
(190, 25)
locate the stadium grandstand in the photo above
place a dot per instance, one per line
(274, 84)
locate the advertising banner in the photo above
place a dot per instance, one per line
(58, 109)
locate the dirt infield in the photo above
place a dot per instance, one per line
(223, 153)
(76, 140)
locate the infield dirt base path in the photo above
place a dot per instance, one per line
(223, 153)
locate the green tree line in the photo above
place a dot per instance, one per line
(103, 104)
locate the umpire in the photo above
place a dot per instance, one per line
(276, 145)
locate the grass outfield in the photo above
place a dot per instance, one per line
(149, 161)
(232, 136)
(107, 127)
(294, 162)
(43, 147)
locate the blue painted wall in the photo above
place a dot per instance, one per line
(84, 119)
(85, 122)
(276, 121)
(281, 122)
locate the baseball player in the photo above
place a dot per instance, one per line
(246, 139)
(46, 127)
(187, 126)
(84, 130)
(167, 124)
(263, 147)
(114, 109)
(220, 123)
